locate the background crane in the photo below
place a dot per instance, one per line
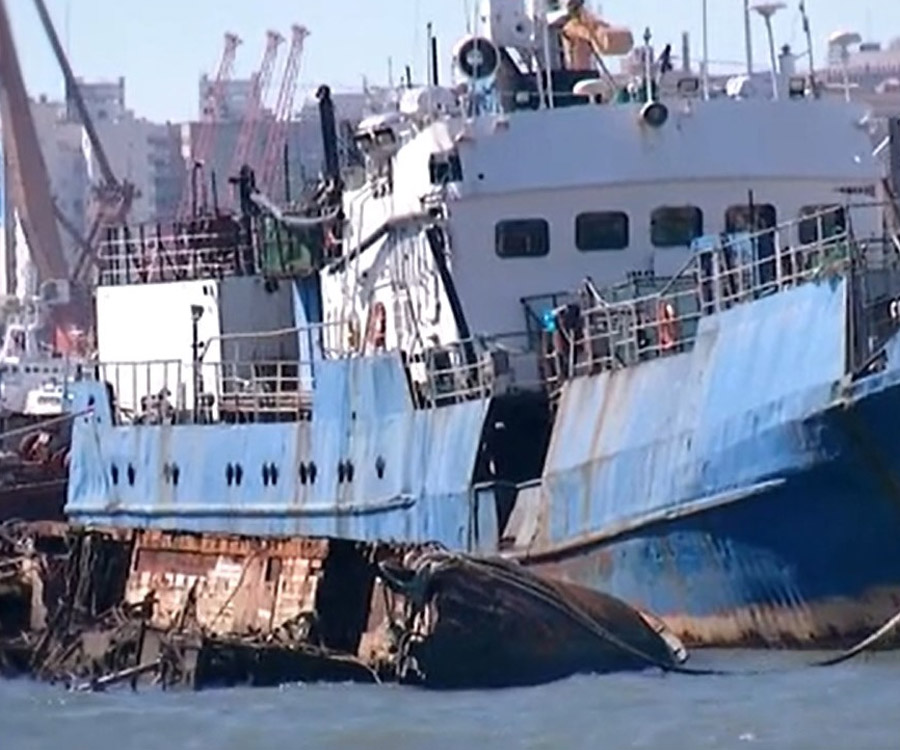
(278, 131)
(113, 197)
(30, 186)
(245, 152)
(207, 137)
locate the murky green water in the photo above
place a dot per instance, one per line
(854, 706)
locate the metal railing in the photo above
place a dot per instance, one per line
(205, 248)
(595, 330)
(175, 392)
(236, 378)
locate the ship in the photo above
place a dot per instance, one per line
(35, 424)
(638, 331)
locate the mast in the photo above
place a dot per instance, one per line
(748, 38)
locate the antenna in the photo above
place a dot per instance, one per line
(767, 10)
(429, 69)
(704, 73)
(748, 38)
(809, 49)
(842, 40)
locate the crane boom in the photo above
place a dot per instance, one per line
(279, 128)
(74, 91)
(244, 153)
(31, 181)
(207, 137)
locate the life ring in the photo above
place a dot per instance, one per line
(668, 327)
(376, 333)
(477, 57)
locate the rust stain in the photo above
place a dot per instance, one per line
(225, 584)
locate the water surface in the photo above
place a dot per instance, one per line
(854, 706)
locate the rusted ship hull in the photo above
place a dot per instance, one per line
(746, 491)
(99, 607)
(40, 501)
(807, 560)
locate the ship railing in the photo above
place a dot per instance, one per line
(455, 372)
(177, 392)
(208, 248)
(477, 368)
(213, 247)
(593, 332)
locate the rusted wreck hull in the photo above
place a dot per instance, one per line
(37, 501)
(490, 623)
(99, 607)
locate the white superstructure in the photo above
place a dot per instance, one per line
(480, 197)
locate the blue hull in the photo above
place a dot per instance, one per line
(812, 561)
(743, 491)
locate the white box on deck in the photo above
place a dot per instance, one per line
(145, 333)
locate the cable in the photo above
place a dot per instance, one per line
(434, 561)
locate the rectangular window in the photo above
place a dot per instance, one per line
(522, 238)
(750, 218)
(602, 230)
(821, 223)
(676, 226)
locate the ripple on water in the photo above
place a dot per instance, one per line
(855, 705)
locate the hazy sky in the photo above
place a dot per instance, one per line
(162, 46)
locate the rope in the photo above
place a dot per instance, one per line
(44, 423)
(550, 596)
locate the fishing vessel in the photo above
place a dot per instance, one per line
(637, 330)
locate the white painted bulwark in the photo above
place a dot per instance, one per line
(145, 334)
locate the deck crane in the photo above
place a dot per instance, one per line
(113, 197)
(245, 152)
(207, 138)
(30, 188)
(279, 128)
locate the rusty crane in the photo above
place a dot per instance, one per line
(245, 152)
(207, 137)
(278, 131)
(30, 188)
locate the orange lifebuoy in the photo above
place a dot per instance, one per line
(668, 327)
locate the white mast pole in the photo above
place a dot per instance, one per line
(705, 66)
(748, 37)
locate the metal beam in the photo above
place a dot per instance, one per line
(30, 183)
(74, 91)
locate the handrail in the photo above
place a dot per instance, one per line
(606, 334)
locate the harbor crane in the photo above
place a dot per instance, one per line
(30, 190)
(206, 140)
(245, 152)
(278, 131)
(113, 197)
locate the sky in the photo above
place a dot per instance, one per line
(162, 46)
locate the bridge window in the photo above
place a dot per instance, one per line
(821, 223)
(522, 238)
(675, 226)
(601, 230)
(750, 218)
